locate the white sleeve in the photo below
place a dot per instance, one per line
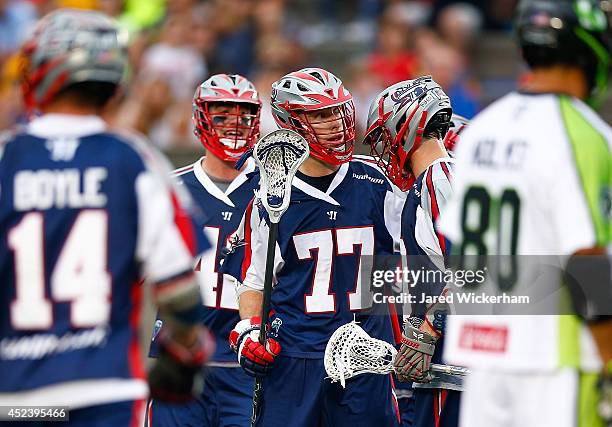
(166, 243)
(256, 253)
(435, 193)
(426, 236)
(393, 207)
(449, 222)
(161, 246)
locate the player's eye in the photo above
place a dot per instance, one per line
(218, 119)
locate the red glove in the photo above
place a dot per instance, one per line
(177, 375)
(255, 358)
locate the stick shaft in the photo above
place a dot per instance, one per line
(449, 369)
(265, 309)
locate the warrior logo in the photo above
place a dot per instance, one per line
(156, 328)
(406, 94)
(275, 326)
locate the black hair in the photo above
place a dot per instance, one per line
(89, 94)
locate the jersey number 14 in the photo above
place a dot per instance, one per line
(79, 276)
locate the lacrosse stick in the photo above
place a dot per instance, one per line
(351, 351)
(278, 155)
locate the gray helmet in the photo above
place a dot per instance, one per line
(71, 46)
(398, 119)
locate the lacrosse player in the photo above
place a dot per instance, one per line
(535, 171)
(336, 219)
(226, 110)
(84, 214)
(407, 124)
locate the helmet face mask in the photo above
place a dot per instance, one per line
(330, 131)
(398, 120)
(226, 111)
(390, 156)
(314, 103)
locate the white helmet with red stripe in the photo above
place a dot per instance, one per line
(315, 103)
(226, 110)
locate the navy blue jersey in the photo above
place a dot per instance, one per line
(223, 212)
(323, 239)
(84, 215)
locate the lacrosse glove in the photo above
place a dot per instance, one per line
(255, 358)
(177, 375)
(413, 360)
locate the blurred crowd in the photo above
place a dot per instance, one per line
(175, 44)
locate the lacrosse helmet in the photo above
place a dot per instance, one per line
(573, 32)
(398, 119)
(457, 125)
(71, 46)
(218, 121)
(301, 94)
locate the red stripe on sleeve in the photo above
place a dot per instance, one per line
(134, 359)
(395, 324)
(183, 223)
(446, 171)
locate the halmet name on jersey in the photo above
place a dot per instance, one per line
(66, 188)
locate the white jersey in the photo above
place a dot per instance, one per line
(533, 177)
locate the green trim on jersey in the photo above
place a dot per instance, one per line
(569, 341)
(588, 398)
(593, 164)
(594, 168)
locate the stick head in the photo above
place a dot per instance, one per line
(351, 351)
(278, 155)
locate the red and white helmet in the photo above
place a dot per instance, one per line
(70, 46)
(309, 90)
(226, 133)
